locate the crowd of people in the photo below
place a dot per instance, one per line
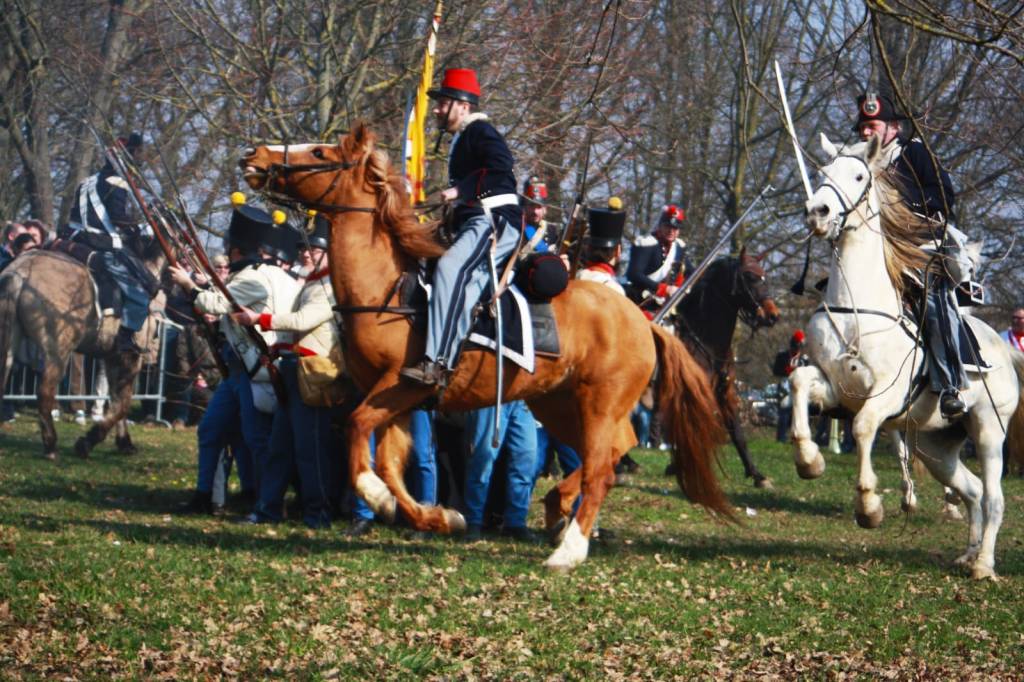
(274, 419)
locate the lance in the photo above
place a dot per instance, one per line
(699, 271)
(792, 131)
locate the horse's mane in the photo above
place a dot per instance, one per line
(416, 239)
(903, 234)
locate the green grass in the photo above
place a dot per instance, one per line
(99, 580)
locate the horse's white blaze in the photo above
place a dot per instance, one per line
(291, 147)
(866, 363)
(571, 552)
(377, 496)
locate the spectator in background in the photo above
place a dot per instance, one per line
(1015, 334)
(11, 232)
(24, 242)
(38, 229)
(785, 362)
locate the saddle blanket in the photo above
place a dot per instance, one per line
(528, 329)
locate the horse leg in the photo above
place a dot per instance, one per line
(940, 453)
(392, 453)
(988, 442)
(384, 402)
(558, 505)
(46, 400)
(121, 374)
(899, 446)
(950, 505)
(601, 448)
(868, 509)
(739, 439)
(808, 383)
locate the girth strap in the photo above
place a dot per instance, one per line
(901, 320)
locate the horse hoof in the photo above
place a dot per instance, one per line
(128, 449)
(869, 520)
(981, 572)
(389, 511)
(556, 567)
(763, 483)
(456, 521)
(813, 470)
(51, 456)
(909, 504)
(557, 532)
(82, 448)
(951, 512)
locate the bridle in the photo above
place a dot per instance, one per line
(284, 169)
(741, 287)
(848, 207)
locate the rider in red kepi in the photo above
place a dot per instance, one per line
(482, 186)
(658, 262)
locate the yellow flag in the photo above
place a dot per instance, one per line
(415, 127)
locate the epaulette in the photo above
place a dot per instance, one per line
(117, 181)
(645, 240)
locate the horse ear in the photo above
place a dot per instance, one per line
(828, 147)
(362, 138)
(743, 252)
(760, 257)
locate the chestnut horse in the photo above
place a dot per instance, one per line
(609, 351)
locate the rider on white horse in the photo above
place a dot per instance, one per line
(928, 190)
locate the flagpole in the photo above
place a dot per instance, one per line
(415, 131)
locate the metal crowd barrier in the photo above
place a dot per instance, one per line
(79, 385)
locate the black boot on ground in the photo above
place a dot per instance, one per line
(201, 503)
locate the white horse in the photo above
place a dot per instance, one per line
(865, 358)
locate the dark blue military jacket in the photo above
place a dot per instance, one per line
(926, 191)
(480, 166)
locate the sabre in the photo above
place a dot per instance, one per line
(699, 271)
(792, 131)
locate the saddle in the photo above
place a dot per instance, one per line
(108, 294)
(529, 327)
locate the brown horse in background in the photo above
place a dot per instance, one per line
(609, 351)
(49, 298)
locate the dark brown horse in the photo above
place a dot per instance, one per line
(731, 288)
(49, 298)
(584, 397)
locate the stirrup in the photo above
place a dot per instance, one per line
(426, 373)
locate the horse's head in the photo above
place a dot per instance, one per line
(315, 175)
(845, 186)
(751, 292)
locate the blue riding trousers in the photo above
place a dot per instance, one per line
(462, 275)
(121, 267)
(942, 318)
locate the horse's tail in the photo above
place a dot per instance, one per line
(1015, 429)
(688, 412)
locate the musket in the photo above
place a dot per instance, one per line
(115, 156)
(206, 329)
(699, 271)
(192, 237)
(572, 235)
